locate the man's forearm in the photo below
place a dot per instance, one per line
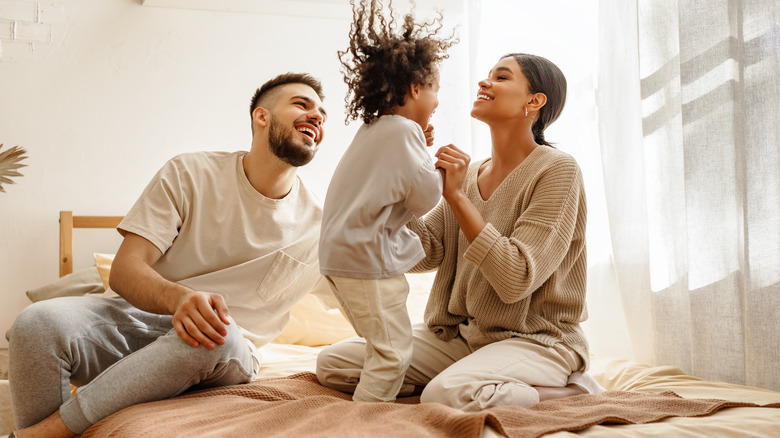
(139, 284)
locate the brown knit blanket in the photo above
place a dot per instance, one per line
(297, 406)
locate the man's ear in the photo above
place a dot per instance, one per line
(537, 101)
(261, 116)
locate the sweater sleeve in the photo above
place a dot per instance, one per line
(430, 230)
(518, 264)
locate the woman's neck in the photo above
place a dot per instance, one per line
(511, 144)
(510, 147)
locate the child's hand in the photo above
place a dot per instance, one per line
(429, 135)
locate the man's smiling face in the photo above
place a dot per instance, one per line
(295, 124)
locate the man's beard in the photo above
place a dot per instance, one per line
(284, 146)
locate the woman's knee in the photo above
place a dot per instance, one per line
(438, 390)
(339, 365)
(327, 364)
(470, 394)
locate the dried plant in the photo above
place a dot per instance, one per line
(10, 160)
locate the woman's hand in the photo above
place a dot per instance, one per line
(455, 163)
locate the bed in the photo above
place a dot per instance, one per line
(286, 400)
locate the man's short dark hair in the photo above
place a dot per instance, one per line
(264, 91)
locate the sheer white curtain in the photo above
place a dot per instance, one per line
(689, 122)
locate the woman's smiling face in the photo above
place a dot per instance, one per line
(503, 94)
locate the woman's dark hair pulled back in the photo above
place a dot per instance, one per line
(543, 77)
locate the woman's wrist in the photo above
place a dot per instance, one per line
(455, 197)
(468, 217)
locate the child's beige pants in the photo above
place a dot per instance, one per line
(377, 310)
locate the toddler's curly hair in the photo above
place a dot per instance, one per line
(382, 62)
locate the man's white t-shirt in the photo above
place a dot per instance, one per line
(218, 234)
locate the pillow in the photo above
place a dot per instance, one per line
(103, 265)
(419, 289)
(314, 321)
(82, 282)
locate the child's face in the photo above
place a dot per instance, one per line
(427, 102)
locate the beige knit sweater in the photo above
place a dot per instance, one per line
(525, 273)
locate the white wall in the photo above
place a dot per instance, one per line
(102, 92)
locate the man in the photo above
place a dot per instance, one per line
(216, 251)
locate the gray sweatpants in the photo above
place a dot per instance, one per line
(116, 354)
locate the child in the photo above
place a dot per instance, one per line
(384, 179)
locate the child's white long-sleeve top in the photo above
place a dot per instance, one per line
(385, 178)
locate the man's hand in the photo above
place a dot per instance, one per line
(200, 319)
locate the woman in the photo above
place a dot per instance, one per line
(502, 320)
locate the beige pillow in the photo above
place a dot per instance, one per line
(313, 324)
(103, 265)
(82, 282)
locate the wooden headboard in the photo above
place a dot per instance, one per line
(67, 223)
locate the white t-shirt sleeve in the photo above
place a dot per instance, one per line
(425, 190)
(157, 215)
